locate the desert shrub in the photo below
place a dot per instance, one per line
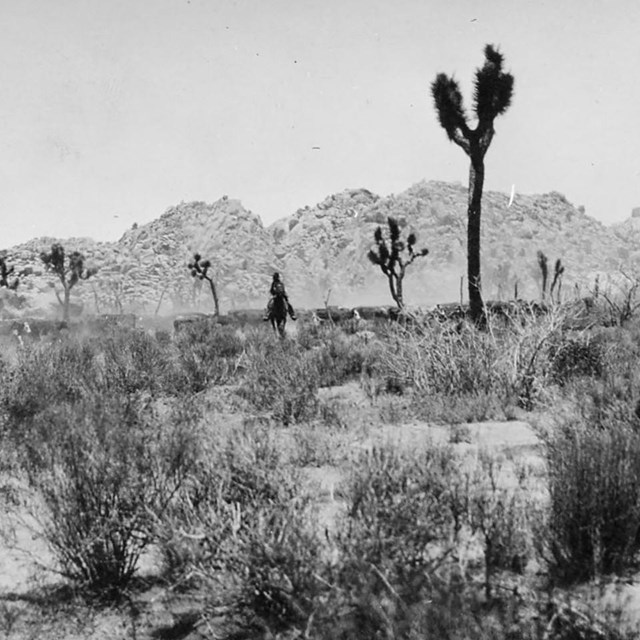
(235, 474)
(397, 540)
(406, 563)
(339, 356)
(46, 375)
(500, 514)
(471, 407)
(131, 361)
(577, 356)
(427, 361)
(221, 341)
(282, 379)
(594, 489)
(339, 359)
(244, 522)
(485, 372)
(280, 562)
(611, 396)
(65, 372)
(439, 368)
(207, 354)
(103, 469)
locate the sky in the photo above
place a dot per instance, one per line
(111, 111)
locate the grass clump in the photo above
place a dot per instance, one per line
(207, 355)
(131, 361)
(244, 532)
(594, 491)
(338, 357)
(282, 379)
(44, 376)
(577, 356)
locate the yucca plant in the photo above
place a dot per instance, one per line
(492, 97)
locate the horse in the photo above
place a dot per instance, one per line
(278, 314)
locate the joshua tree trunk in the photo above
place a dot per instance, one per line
(399, 295)
(395, 287)
(65, 306)
(476, 184)
(214, 293)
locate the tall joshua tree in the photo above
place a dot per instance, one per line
(493, 90)
(389, 257)
(69, 269)
(199, 268)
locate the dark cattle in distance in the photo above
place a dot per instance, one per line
(190, 320)
(37, 327)
(333, 314)
(112, 320)
(450, 311)
(252, 317)
(372, 313)
(195, 319)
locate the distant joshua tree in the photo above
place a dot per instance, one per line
(70, 270)
(389, 257)
(544, 269)
(5, 272)
(492, 97)
(199, 268)
(557, 276)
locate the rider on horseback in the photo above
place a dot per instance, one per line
(277, 289)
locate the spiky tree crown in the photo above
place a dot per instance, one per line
(493, 91)
(543, 264)
(449, 105)
(199, 267)
(55, 261)
(387, 256)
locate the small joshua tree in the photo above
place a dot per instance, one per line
(492, 95)
(199, 268)
(5, 272)
(70, 270)
(557, 278)
(389, 257)
(543, 263)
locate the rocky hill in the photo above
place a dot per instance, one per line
(322, 252)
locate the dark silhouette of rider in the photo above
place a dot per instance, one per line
(277, 289)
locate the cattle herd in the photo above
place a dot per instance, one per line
(331, 315)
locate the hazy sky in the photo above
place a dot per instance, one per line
(112, 111)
